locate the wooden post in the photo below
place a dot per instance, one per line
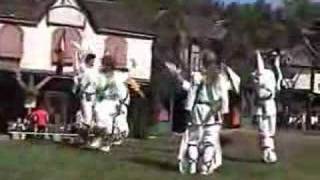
(189, 60)
(312, 78)
(310, 99)
(31, 87)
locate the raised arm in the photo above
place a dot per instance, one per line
(79, 53)
(279, 73)
(135, 87)
(177, 73)
(224, 97)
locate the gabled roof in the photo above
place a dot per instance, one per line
(300, 57)
(105, 16)
(313, 28)
(311, 36)
(27, 12)
(116, 17)
(112, 17)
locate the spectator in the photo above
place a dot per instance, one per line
(40, 119)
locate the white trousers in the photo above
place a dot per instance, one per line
(105, 113)
(201, 144)
(104, 126)
(87, 109)
(267, 130)
(108, 117)
(121, 122)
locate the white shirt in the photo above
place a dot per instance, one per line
(219, 91)
(89, 77)
(264, 87)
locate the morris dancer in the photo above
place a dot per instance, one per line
(264, 106)
(85, 83)
(207, 100)
(121, 120)
(111, 108)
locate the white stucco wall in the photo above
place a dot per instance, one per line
(141, 52)
(304, 81)
(36, 47)
(317, 83)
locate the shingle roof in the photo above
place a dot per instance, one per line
(115, 17)
(300, 56)
(106, 17)
(28, 12)
(312, 36)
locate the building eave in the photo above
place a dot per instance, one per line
(18, 21)
(304, 67)
(69, 74)
(46, 72)
(125, 33)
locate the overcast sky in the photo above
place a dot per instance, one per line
(274, 2)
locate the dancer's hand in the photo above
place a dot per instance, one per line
(172, 68)
(135, 87)
(197, 77)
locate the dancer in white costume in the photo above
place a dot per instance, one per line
(207, 100)
(110, 108)
(85, 87)
(121, 120)
(85, 83)
(264, 108)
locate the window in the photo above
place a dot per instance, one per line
(14, 35)
(117, 47)
(62, 49)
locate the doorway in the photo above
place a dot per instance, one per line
(57, 105)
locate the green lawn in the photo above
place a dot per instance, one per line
(155, 160)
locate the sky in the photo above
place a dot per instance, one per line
(274, 2)
(241, 1)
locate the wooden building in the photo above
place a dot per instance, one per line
(302, 76)
(36, 41)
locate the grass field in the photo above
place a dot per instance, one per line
(156, 160)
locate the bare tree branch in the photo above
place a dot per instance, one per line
(43, 82)
(20, 80)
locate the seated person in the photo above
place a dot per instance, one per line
(18, 126)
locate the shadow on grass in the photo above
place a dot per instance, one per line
(166, 166)
(225, 141)
(242, 160)
(161, 150)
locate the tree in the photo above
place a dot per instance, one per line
(299, 11)
(31, 89)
